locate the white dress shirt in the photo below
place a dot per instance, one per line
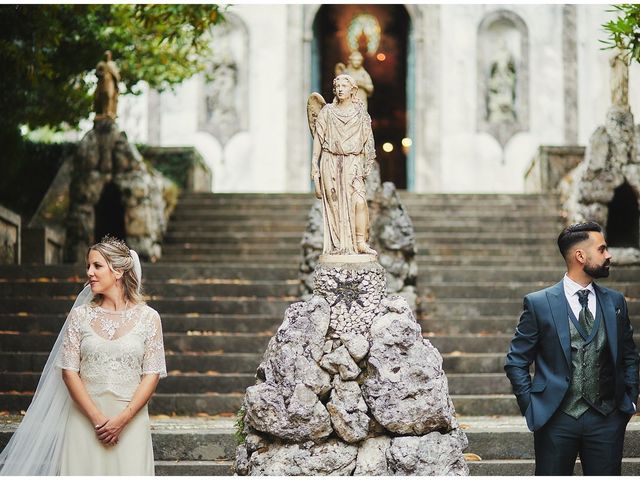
(571, 292)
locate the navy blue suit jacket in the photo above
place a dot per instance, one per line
(542, 337)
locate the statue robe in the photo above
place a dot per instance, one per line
(346, 159)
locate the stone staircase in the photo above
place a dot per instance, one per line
(230, 270)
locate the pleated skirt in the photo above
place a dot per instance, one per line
(84, 454)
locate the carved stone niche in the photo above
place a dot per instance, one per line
(224, 88)
(503, 76)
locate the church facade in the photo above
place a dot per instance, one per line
(463, 95)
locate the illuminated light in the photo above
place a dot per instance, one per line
(367, 25)
(387, 147)
(381, 57)
(406, 142)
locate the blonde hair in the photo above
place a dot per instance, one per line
(118, 258)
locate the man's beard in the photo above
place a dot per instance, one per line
(597, 271)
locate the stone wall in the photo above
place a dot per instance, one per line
(550, 165)
(42, 245)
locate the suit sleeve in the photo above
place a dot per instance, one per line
(522, 352)
(629, 354)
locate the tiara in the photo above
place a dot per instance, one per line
(116, 242)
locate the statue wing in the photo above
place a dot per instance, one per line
(314, 105)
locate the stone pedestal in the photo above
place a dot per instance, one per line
(348, 386)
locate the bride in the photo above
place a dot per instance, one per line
(89, 413)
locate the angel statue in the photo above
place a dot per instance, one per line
(343, 156)
(356, 69)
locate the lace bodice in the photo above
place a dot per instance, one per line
(112, 350)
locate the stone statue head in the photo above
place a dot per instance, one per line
(356, 59)
(351, 81)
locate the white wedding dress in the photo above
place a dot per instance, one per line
(111, 351)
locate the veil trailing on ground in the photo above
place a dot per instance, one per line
(35, 448)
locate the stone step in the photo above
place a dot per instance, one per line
(463, 307)
(160, 404)
(194, 468)
(446, 257)
(249, 259)
(500, 240)
(200, 246)
(534, 212)
(248, 362)
(164, 271)
(470, 290)
(485, 405)
(265, 226)
(203, 305)
(507, 437)
(469, 343)
(195, 446)
(528, 255)
(171, 323)
(459, 383)
(223, 362)
(493, 468)
(214, 288)
(458, 362)
(230, 403)
(523, 273)
(173, 342)
(478, 326)
(240, 216)
(259, 234)
(174, 383)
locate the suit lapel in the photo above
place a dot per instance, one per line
(560, 313)
(609, 311)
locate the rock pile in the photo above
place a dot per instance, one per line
(350, 400)
(105, 156)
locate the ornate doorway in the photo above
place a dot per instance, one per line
(381, 33)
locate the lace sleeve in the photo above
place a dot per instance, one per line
(70, 352)
(153, 361)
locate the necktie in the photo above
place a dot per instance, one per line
(585, 318)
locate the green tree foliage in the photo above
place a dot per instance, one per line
(48, 51)
(624, 31)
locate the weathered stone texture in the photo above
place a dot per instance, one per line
(331, 458)
(348, 411)
(406, 388)
(386, 381)
(432, 454)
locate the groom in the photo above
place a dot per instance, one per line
(585, 385)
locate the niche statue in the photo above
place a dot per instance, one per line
(356, 70)
(343, 156)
